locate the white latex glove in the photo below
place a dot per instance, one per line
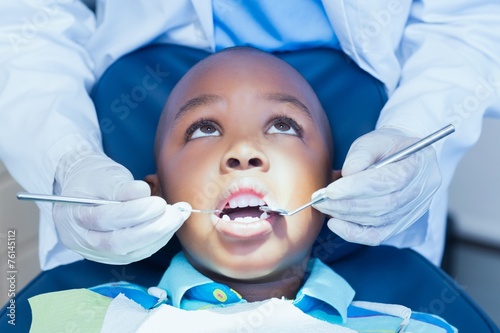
(368, 207)
(115, 233)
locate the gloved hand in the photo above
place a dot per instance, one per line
(368, 207)
(114, 233)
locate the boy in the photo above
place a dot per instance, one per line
(240, 130)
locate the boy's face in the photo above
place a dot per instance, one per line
(244, 130)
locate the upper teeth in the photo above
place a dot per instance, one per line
(246, 201)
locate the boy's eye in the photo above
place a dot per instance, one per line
(285, 125)
(202, 128)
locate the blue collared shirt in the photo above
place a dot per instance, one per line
(324, 295)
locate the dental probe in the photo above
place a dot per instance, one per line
(419, 145)
(87, 201)
(63, 199)
(398, 156)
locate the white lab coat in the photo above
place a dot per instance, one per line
(439, 60)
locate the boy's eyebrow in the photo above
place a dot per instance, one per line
(201, 100)
(286, 98)
(208, 99)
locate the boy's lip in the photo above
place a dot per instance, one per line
(243, 230)
(245, 191)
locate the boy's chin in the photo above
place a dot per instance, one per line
(251, 274)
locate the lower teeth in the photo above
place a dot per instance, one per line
(247, 219)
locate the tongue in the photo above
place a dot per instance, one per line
(243, 212)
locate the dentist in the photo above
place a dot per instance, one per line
(439, 62)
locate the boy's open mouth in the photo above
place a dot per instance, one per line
(244, 207)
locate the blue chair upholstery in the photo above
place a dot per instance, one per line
(129, 98)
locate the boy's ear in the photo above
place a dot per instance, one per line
(336, 174)
(154, 184)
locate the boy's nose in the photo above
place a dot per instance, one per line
(244, 156)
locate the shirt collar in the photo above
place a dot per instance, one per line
(323, 284)
(179, 277)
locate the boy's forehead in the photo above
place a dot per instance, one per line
(238, 68)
